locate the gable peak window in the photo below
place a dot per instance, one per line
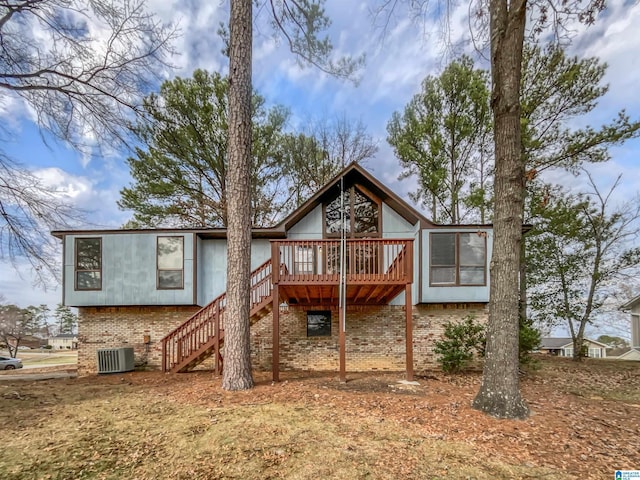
(362, 214)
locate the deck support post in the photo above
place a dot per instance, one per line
(343, 343)
(216, 334)
(409, 331)
(275, 313)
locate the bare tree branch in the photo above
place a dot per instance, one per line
(82, 67)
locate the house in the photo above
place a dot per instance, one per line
(64, 341)
(617, 352)
(27, 342)
(633, 307)
(563, 347)
(162, 291)
(633, 354)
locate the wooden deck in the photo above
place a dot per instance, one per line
(308, 273)
(376, 270)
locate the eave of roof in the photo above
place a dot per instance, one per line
(202, 232)
(350, 173)
(630, 304)
(562, 342)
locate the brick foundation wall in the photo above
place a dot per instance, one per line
(375, 338)
(109, 327)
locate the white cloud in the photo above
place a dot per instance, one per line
(396, 65)
(615, 39)
(86, 194)
(20, 288)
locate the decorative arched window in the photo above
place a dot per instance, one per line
(362, 220)
(362, 215)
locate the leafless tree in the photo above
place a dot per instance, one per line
(80, 68)
(15, 324)
(317, 155)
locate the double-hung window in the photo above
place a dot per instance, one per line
(457, 259)
(170, 263)
(88, 264)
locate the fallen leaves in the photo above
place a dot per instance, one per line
(585, 423)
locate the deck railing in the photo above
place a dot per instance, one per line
(371, 260)
(207, 324)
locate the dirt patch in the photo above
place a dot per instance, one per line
(43, 369)
(152, 425)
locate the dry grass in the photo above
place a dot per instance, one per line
(152, 426)
(79, 431)
(51, 360)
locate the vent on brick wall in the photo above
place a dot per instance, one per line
(114, 360)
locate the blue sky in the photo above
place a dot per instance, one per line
(396, 63)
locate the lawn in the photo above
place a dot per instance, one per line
(584, 424)
(51, 358)
(46, 357)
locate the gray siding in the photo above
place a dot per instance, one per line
(212, 266)
(395, 226)
(128, 272)
(129, 265)
(441, 294)
(310, 227)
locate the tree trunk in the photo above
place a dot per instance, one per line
(499, 393)
(578, 343)
(237, 347)
(522, 306)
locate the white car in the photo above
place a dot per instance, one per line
(8, 363)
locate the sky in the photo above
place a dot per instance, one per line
(400, 52)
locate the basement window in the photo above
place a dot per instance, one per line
(319, 323)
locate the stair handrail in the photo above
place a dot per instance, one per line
(200, 327)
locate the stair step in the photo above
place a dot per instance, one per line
(259, 310)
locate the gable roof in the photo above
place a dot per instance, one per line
(355, 174)
(616, 352)
(560, 342)
(555, 343)
(352, 173)
(632, 353)
(630, 304)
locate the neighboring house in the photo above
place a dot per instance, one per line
(28, 341)
(617, 352)
(633, 307)
(563, 347)
(64, 341)
(632, 354)
(162, 291)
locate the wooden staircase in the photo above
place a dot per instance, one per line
(202, 335)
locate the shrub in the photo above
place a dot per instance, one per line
(459, 344)
(529, 340)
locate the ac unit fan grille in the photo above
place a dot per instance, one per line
(115, 360)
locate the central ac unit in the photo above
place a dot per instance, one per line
(115, 360)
